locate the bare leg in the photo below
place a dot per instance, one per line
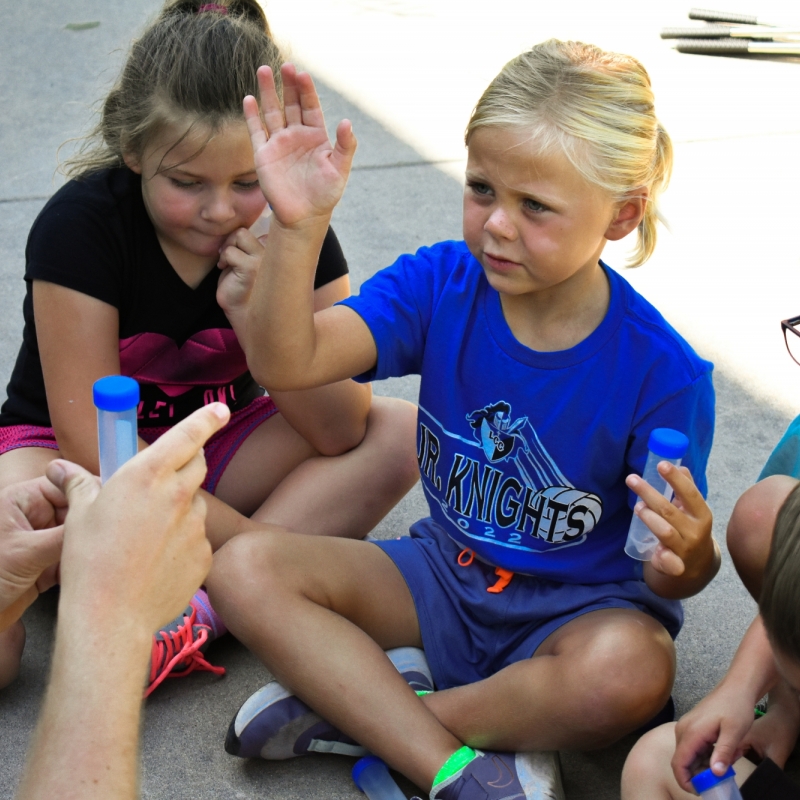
(24, 464)
(344, 495)
(594, 680)
(319, 613)
(647, 774)
(12, 643)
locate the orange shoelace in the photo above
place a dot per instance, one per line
(179, 650)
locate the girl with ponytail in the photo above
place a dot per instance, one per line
(125, 266)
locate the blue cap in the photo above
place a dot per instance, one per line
(116, 393)
(668, 443)
(706, 779)
(361, 765)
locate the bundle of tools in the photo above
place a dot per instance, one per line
(726, 34)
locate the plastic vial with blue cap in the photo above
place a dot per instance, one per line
(664, 444)
(716, 787)
(116, 399)
(371, 776)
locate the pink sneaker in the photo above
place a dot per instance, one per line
(178, 650)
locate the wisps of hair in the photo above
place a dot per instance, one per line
(187, 68)
(595, 107)
(779, 603)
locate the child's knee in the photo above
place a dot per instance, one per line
(750, 528)
(635, 678)
(647, 771)
(392, 430)
(12, 643)
(249, 564)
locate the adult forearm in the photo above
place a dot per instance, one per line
(86, 742)
(280, 330)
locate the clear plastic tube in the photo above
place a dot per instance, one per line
(665, 445)
(116, 398)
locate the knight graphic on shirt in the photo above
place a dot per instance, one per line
(505, 488)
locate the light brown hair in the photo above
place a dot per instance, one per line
(187, 68)
(779, 603)
(597, 108)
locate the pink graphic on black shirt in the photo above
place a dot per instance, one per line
(211, 358)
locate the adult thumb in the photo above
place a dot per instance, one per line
(78, 485)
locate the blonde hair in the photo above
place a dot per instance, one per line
(190, 67)
(597, 108)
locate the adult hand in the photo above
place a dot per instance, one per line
(683, 526)
(135, 551)
(31, 531)
(301, 174)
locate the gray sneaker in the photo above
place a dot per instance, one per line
(505, 776)
(274, 724)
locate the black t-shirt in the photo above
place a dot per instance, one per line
(94, 236)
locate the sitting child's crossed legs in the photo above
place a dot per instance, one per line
(319, 613)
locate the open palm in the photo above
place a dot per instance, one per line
(301, 173)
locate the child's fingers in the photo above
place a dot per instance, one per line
(345, 149)
(667, 562)
(310, 107)
(243, 240)
(686, 492)
(291, 97)
(271, 108)
(258, 136)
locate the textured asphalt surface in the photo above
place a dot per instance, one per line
(725, 276)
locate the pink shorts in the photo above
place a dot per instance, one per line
(219, 449)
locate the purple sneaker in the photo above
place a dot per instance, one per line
(504, 776)
(274, 724)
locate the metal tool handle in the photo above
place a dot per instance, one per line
(723, 16)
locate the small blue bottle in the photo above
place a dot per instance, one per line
(371, 776)
(116, 399)
(664, 444)
(716, 787)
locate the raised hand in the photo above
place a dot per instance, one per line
(301, 173)
(683, 526)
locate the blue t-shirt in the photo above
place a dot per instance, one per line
(523, 454)
(785, 458)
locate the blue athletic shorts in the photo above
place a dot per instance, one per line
(469, 634)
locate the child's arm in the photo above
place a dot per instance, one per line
(333, 419)
(303, 176)
(721, 721)
(78, 338)
(687, 557)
